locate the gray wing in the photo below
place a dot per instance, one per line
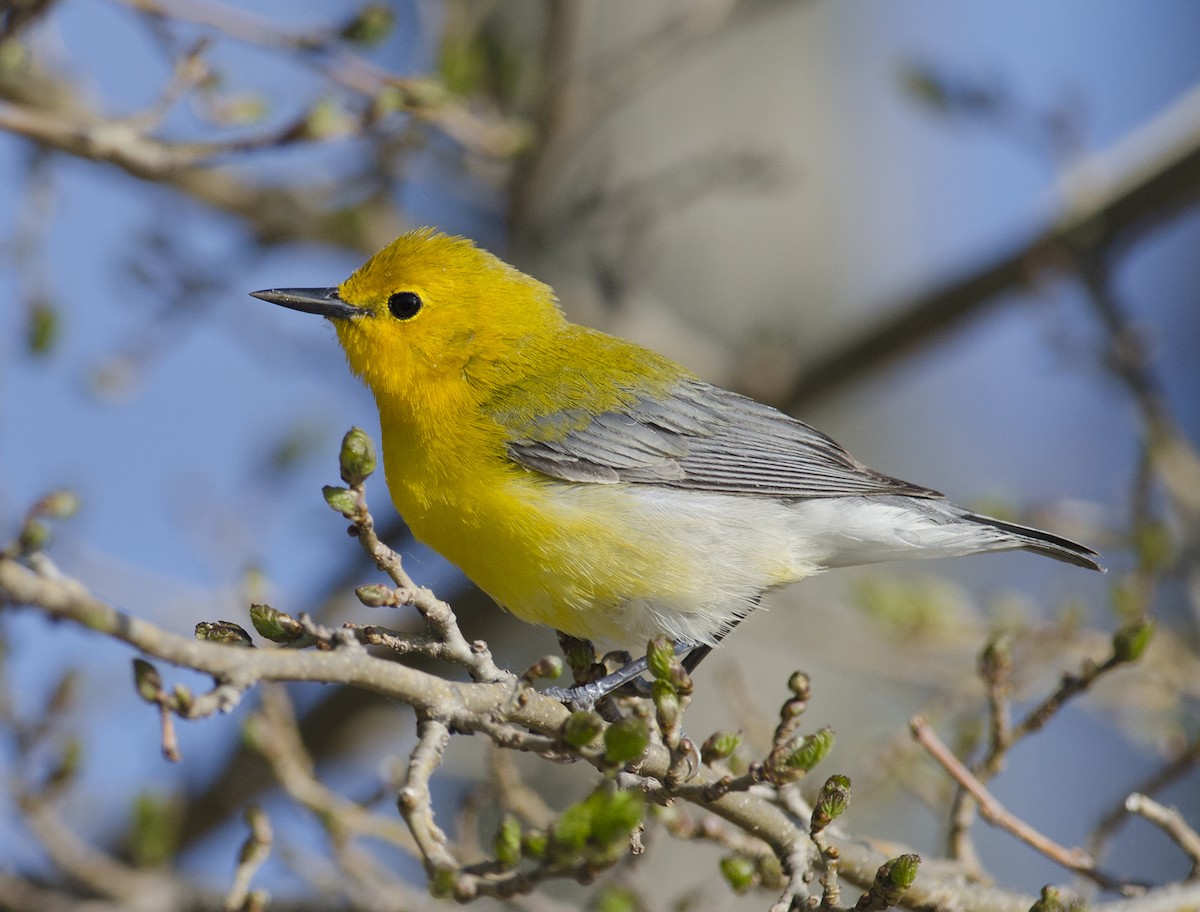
(701, 438)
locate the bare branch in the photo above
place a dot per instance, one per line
(1074, 859)
(1172, 823)
(1152, 176)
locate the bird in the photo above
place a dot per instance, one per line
(593, 485)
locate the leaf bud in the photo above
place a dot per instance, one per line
(1131, 640)
(376, 595)
(738, 871)
(894, 877)
(274, 625)
(831, 802)
(1048, 902)
(719, 746)
(147, 681)
(626, 740)
(60, 504)
(660, 654)
(811, 750)
(225, 632)
(341, 500)
(581, 728)
(507, 844)
(357, 457)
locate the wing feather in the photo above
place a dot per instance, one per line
(700, 437)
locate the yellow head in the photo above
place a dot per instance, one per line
(430, 310)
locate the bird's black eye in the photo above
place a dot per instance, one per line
(404, 305)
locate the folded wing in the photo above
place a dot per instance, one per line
(700, 437)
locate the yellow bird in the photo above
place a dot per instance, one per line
(593, 485)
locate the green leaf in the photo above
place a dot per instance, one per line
(811, 751)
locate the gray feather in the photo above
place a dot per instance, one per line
(703, 438)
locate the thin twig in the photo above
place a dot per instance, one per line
(1178, 766)
(1074, 859)
(253, 855)
(1172, 823)
(416, 801)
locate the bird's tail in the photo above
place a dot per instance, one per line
(1040, 542)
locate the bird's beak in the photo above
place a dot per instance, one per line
(321, 301)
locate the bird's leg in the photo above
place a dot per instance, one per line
(584, 696)
(695, 657)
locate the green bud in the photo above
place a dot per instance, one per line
(995, 662)
(154, 830)
(376, 596)
(274, 625)
(443, 883)
(1049, 902)
(341, 500)
(371, 25)
(660, 655)
(811, 750)
(581, 728)
(533, 844)
(507, 844)
(626, 741)
(894, 877)
(570, 832)
(1131, 640)
(34, 537)
(548, 667)
(681, 680)
(580, 655)
(615, 815)
(719, 746)
(666, 704)
(799, 684)
(326, 119)
(616, 899)
(831, 802)
(357, 458)
(147, 681)
(226, 633)
(738, 871)
(183, 698)
(42, 326)
(60, 504)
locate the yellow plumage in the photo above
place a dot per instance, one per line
(590, 484)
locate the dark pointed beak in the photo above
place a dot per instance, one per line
(323, 302)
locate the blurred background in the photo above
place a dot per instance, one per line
(959, 238)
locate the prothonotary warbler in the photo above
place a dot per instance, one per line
(593, 485)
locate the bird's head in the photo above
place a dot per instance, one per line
(428, 310)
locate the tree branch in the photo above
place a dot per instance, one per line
(1147, 179)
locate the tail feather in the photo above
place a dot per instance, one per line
(1043, 543)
